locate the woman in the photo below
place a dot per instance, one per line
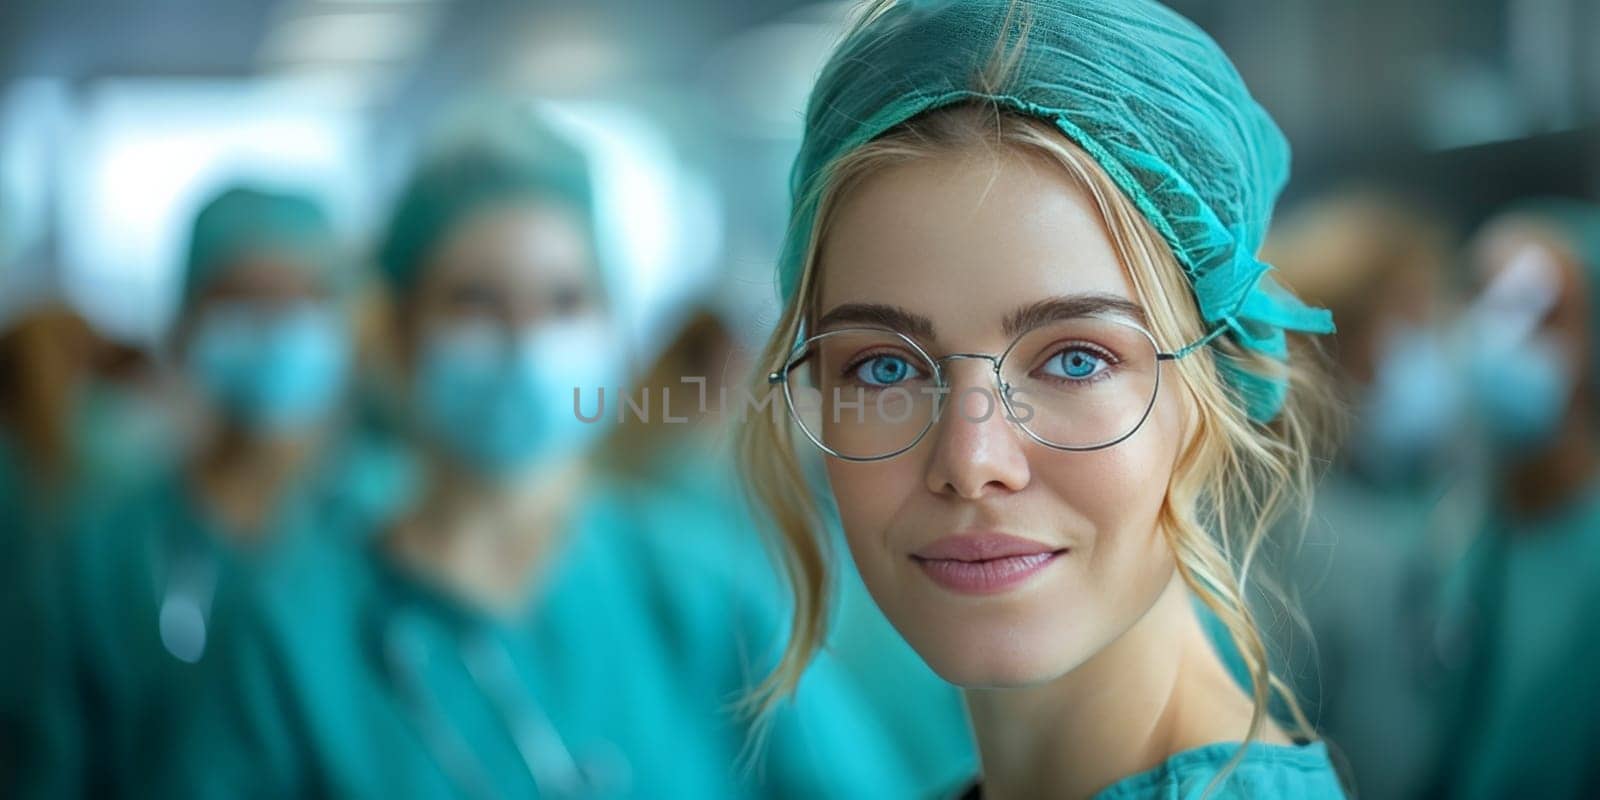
(1049, 377)
(518, 632)
(262, 345)
(1519, 605)
(46, 356)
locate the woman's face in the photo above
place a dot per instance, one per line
(513, 267)
(964, 242)
(262, 282)
(507, 325)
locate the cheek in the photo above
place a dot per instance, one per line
(871, 499)
(1119, 493)
(869, 496)
(1119, 490)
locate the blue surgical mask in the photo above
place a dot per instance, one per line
(503, 404)
(1522, 392)
(1413, 405)
(274, 371)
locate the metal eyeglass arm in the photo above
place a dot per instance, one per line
(1190, 347)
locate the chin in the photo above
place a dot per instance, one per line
(995, 673)
(994, 653)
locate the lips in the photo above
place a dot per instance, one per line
(984, 563)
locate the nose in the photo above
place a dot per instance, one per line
(976, 450)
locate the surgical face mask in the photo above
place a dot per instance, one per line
(1413, 405)
(122, 431)
(503, 404)
(273, 371)
(1521, 384)
(1521, 391)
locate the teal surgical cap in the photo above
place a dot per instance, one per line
(494, 166)
(244, 221)
(1144, 91)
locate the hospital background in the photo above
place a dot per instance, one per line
(1444, 629)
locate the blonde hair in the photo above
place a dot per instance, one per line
(1229, 469)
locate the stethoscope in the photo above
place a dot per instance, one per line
(189, 588)
(550, 761)
(187, 573)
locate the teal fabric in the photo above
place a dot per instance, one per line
(522, 160)
(1144, 91)
(23, 630)
(120, 685)
(354, 682)
(39, 727)
(1524, 709)
(38, 514)
(1298, 772)
(243, 221)
(1290, 772)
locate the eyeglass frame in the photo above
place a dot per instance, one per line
(781, 375)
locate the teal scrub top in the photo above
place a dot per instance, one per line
(143, 584)
(35, 634)
(362, 679)
(1291, 772)
(1281, 772)
(1525, 708)
(22, 632)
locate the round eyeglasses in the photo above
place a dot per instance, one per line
(1083, 383)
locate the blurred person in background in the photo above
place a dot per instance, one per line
(45, 359)
(80, 415)
(1523, 706)
(262, 347)
(521, 631)
(1365, 565)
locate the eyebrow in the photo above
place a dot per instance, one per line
(1025, 318)
(1055, 309)
(879, 315)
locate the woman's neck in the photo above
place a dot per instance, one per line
(240, 479)
(485, 539)
(1159, 689)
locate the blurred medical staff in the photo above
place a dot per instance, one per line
(1370, 558)
(262, 343)
(46, 356)
(521, 632)
(1524, 707)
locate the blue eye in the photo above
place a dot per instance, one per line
(885, 371)
(1076, 363)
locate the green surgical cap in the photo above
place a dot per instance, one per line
(244, 221)
(1144, 91)
(490, 167)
